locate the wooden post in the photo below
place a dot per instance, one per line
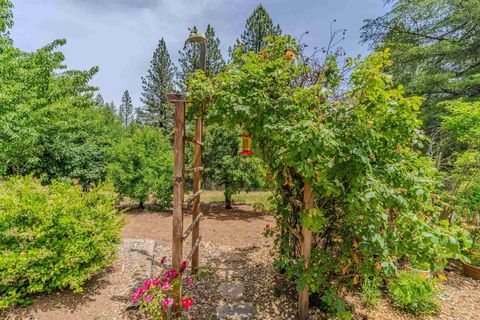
(305, 250)
(178, 188)
(197, 181)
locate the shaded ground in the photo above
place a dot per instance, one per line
(230, 238)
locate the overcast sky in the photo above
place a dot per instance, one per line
(120, 36)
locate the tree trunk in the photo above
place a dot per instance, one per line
(141, 205)
(228, 200)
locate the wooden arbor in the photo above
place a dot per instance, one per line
(179, 236)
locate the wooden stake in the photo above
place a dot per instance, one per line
(306, 250)
(197, 182)
(178, 193)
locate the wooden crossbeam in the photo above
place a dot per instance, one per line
(193, 140)
(193, 197)
(194, 248)
(190, 228)
(196, 169)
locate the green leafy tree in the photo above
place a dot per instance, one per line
(126, 109)
(6, 16)
(142, 166)
(226, 167)
(462, 123)
(51, 126)
(157, 111)
(190, 56)
(435, 47)
(258, 27)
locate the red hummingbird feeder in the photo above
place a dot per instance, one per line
(246, 144)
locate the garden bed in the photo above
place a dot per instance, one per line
(232, 239)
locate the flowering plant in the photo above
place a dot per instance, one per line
(156, 296)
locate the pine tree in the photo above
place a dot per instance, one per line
(157, 111)
(189, 58)
(111, 106)
(99, 100)
(258, 26)
(126, 109)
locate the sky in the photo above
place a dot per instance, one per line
(119, 36)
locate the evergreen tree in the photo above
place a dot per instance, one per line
(126, 109)
(189, 58)
(258, 26)
(157, 111)
(99, 100)
(111, 107)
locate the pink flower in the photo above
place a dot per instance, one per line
(147, 284)
(170, 274)
(189, 281)
(155, 282)
(187, 303)
(148, 298)
(167, 302)
(183, 266)
(163, 260)
(140, 291)
(134, 298)
(166, 285)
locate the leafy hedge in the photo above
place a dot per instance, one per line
(53, 237)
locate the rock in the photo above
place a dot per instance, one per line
(231, 290)
(236, 311)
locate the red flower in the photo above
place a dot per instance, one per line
(183, 266)
(187, 303)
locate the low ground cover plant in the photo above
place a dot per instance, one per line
(414, 294)
(371, 293)
(53, 237)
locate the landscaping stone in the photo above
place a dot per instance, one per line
(231, 290)
(236, 311)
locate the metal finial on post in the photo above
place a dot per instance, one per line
(201, 39)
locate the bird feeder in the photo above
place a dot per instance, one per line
(246, 144)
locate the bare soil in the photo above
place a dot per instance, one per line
(232, 239)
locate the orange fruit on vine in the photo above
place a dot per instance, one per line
(289, 55)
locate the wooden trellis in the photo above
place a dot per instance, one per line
(179, 234)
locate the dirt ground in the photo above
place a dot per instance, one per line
(230, 237)
(239, 227)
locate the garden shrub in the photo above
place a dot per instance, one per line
(374, 191)
(414, 294)
(371, 291)
(53, 237)
(142, 166)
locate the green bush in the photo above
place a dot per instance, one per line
(414, 294)
(371, 291)
(142, 166)
(53, 237)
